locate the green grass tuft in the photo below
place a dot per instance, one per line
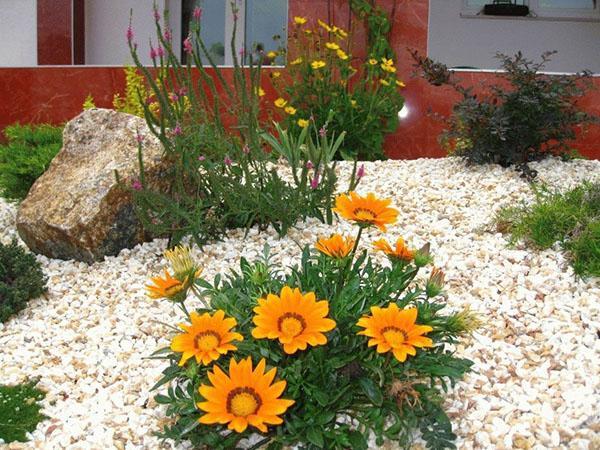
(570, 218)
(20, 411)
(29, 151)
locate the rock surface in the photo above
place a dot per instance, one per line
(76, 209)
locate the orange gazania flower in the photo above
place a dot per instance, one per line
(335, 246)
(167, 287)
(365, 211)
(394, 329)
(400, 251)
(207, 338)
(296, 320)
(243, 397)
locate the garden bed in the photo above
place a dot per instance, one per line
(535, 379)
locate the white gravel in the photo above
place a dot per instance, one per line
(536, 383)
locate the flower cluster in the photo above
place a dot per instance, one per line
(340, 336)
(324, 76)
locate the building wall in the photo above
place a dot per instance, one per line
(18, 33)
(473, 42)
(107, 20)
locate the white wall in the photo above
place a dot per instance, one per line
(457, 41)
(18, 33)
(106, 23)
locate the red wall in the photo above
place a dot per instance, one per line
(55, 94)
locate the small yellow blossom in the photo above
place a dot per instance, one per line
(260, 92)
(387, 62)
(280, 103)
(290, 110)
(389, 69)
(373, 62)
(353, 103)
(384, 82)
(400, 84)
(303, 123)
(275, 74)
(296, 61)
(332, 46)
(308, 32)
(342, 54)
(341, 33)
(272, 55)
(324, 25)
(299, 20)
(317, 64)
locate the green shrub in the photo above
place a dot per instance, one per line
(29, 151)
(571, 218)
(222, 159)
(19, 411)
(531, 119)
(316, 324)
(21, 279)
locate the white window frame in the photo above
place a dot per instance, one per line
(538, 12)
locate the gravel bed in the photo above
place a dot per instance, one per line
(536, 382)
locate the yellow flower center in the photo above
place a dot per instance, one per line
(364, 215)
(394, 336)
(207, 340)
(243, 402)
(291, 324)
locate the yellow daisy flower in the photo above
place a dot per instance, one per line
(260, 92)
(324, 25)
(332, 46)
(366, 211)
(299, 20)
(290, 110)
(275, 74)
(295, 319)
(392, 329)
(342, 54)
(317, 64)
(373, 62)
(335, 246)
(243, 397)
(400, 84)
(272, 55)
(389, 69)
(303, 123)
(296, 61)
(280, 103)
(384, 82)
(207, 338)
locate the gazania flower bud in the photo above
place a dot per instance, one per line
(435, 284)
(422, 256)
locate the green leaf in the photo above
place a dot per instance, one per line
(315, 436)
(358, 440)
(371, 390)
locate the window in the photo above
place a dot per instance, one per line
(550, 9)
(261, 24)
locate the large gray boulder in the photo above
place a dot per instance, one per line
(76, 209)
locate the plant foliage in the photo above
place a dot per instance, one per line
(21, 279)
(323, 76)
(345, 392)
(19, 411)
(26, 156)
(224, 170)
(571, 218)
(526, 116)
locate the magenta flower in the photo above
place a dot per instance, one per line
(309, 165)
(156, 15)
(246, 149)
(201, 158)
(136, 185)
(187, 45)
(182, 92)
(160, 51)
(168, 35)
(139, 138)
(228, 161)
(174, 97)
(129, 34)
(361, 172)
(314, 183)
(177, 131)
(323, 131)
(197, 13)
(153, 53)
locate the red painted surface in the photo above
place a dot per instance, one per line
(54, 32)
(56, 94)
